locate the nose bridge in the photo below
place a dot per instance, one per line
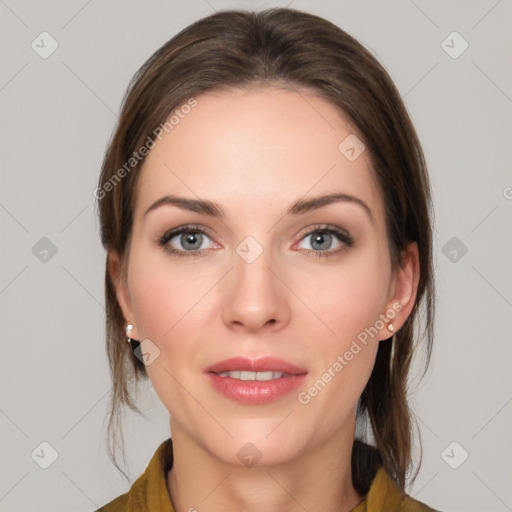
(255, 299)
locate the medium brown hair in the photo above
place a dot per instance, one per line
(293, 49)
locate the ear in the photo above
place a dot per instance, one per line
(118, 277)
(403, 290)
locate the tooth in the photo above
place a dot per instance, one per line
(248, 375)
(264, 375)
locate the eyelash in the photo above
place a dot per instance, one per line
(342, 235)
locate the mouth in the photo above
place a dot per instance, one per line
(255, 381)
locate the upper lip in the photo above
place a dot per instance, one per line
(262, 364)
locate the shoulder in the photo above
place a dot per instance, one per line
(381, 492)
(411, 505)
(117, 505)
(133, 500)
(385, 495)
(149, 491)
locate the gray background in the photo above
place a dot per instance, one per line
(56, 117)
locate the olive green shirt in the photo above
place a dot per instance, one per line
(149, 492)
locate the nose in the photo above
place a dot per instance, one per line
(255, 298)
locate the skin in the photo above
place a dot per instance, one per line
(255, 152)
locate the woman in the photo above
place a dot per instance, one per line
(265, 207)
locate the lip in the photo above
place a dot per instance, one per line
(255, 392)
(263, 364)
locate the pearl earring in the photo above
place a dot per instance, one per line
(391, 327)
(129, 328)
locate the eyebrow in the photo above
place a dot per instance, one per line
(301, 206)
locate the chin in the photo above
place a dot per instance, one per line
(257, 444)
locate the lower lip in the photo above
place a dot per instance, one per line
(255, 392)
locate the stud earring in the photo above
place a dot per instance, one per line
(391, 327)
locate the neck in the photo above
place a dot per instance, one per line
(317, 480)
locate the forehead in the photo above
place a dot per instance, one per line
(255, 149)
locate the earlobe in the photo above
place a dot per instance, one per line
(404, 289)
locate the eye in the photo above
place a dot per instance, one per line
(186, 239)
(326, 240)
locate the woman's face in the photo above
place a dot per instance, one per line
(288, 285)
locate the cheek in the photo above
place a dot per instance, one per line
(164, 300)
(172, 308)
(163, 293)
(347, 297)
